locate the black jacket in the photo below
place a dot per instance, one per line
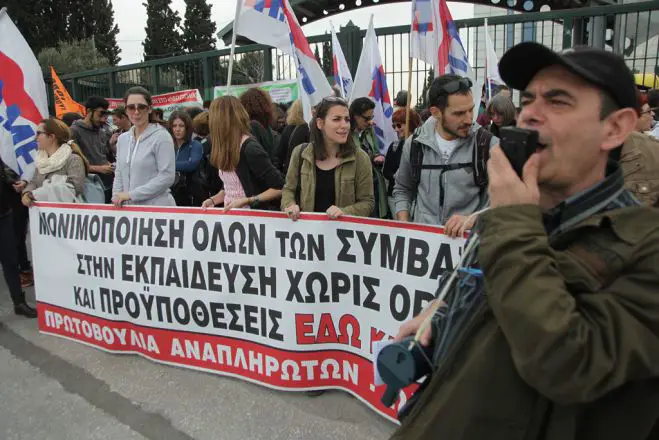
(257, 173)
(391, 163)
(7, 193)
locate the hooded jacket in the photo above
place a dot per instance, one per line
(146, 169)
(461, 194)
(92, 141)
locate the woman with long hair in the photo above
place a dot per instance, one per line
(58, 158)
(258, 105)
(330, 174)
(188, 157)
(295, 133)
(250, 180)
(145, 156)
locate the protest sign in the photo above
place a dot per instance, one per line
(281, 92)
(249, 294)
(168, 102)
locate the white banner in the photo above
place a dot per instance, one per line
(251, 294)
(168, 102)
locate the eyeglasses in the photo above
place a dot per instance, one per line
(456, 85)
(367, 118)
(396, 126)
(140, 107)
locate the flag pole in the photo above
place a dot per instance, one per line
(239, 4)
(408, 104)
(487, 80)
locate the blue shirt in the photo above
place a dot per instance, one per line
(189, 156)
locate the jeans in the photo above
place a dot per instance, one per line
(9, 259)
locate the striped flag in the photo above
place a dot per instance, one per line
(342, 75)
(23, 101)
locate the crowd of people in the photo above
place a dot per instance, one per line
(569, 258)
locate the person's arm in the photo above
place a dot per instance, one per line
(192, 162)
(117, 183)
(364, 199)
(572, 346)
(392, 160)
(165, 164)
(261, 166)
(404, 186)
(76, 173)
(288, 192)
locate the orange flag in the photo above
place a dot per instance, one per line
(63, 101)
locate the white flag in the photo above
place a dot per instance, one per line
(492, 77)
(371, 81)
(342, 75)
(23, 99)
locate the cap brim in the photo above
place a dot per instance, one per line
(522, 62)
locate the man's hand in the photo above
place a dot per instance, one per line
(457, 224)
(378, 160)
(114, 138)
(19, 186)
(102, 169)
(412, 326)
(505, 186)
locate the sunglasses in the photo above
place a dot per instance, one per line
(140, 107)
(396, 126)
(456, 85)
(367, 118)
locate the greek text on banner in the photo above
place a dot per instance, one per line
(250, 294)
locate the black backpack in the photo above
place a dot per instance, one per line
(478, 164)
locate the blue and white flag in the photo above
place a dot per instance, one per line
(340, 68)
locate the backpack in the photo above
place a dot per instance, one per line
(478, 164)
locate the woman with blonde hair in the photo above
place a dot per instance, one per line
(61, 167)
(295, 133)
(250, 180)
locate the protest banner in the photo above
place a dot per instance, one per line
(168, 102)
(281, 92)
(249, 294)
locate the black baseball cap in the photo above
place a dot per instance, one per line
(605, 70)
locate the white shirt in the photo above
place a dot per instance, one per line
(655, 131)
(445, 147)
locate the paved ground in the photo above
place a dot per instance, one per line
(52, 388)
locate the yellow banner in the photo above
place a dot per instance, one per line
(63, 101)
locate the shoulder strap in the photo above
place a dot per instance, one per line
(481, 156)
(416, 159)
(298, 186)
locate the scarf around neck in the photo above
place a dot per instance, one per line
(49, 164)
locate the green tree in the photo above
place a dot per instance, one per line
(328, 59)
(162, 30)
(422, 103)
(106, 31)
(249, 69)
(71, 57)
(198, 28)
(40, 21)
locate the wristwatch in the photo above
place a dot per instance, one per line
(254, 202)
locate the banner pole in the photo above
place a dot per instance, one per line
(409, 99)
(239, 4)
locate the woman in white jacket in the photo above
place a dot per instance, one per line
(146, 163)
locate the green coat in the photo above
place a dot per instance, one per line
(353, 182)
(379, 181)
(566, 347)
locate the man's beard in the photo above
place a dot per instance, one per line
(453, 133)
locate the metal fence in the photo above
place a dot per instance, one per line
(629, 29)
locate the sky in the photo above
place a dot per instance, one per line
(130, 15)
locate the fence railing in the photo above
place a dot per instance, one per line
(629, 29)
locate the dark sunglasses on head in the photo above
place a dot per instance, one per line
(456, 85)
(140, 107)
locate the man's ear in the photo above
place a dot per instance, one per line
(618, 126)
(435, 112)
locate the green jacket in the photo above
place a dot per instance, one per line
(566, 346)
(353, 182)
(378, 178)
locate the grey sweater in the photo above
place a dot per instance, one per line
(461, 194)
(73, 169)
(146, 173)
